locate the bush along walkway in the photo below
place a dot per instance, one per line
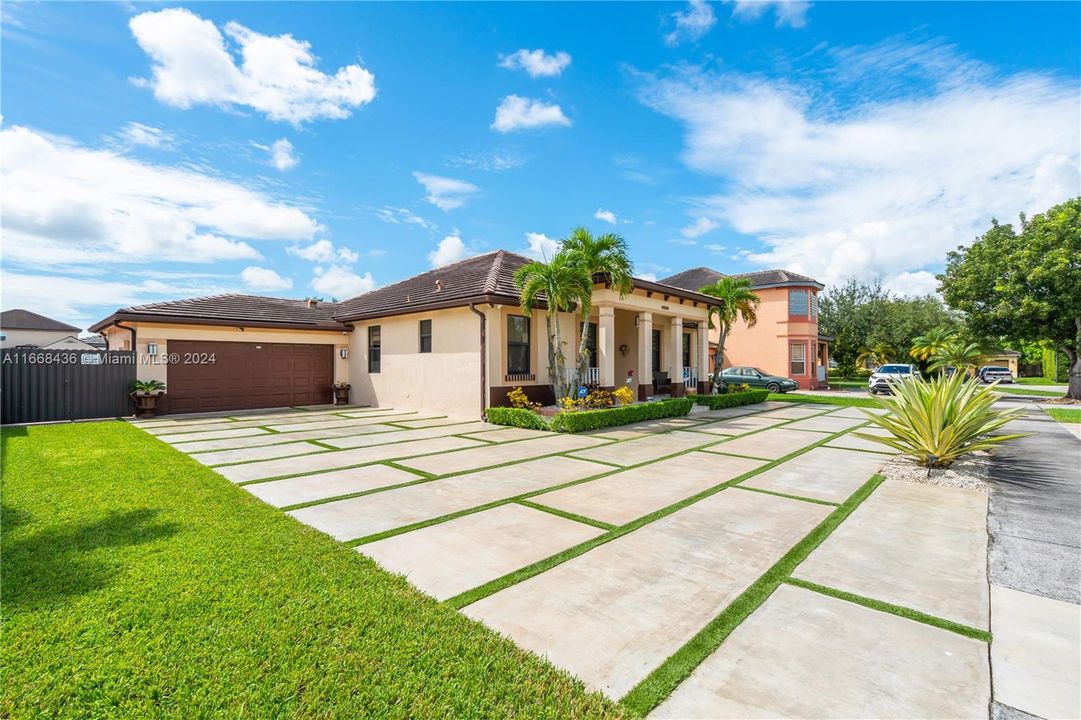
(724, 526)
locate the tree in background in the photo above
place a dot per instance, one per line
(878, 354)
(958, 354)
(1024, 285)
(932, 343)
(604, 255)
(734, 300)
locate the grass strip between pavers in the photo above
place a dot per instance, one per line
(816, 501)
(660, 683)
(839, 400)
(568, 515)
(899, 610)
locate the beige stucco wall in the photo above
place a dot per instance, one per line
(766, 345)
(160, 334)
(445, 380)
(41, 338)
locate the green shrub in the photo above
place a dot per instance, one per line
(516, 417)
(939, 420)
(718, 402)
(582, 420)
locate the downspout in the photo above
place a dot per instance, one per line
(116, 323)
(483, 359)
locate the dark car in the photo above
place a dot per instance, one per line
(758, 379)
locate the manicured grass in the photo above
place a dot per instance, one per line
(843, 400)
(1037, 381)
(1009, 390)
(139, 583)
(1065, 415)
(854, 384)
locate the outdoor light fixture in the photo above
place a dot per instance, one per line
(636, 321)
(344, 352)
(151, 348)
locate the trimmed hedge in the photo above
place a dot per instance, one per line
(719, 402)
(517, 417)
(582, 420)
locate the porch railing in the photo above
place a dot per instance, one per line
(690, 377)
(593, 376)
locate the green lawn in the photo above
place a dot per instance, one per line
(1065, 415)
(1037, 381)
(138, 583)
(839, 399)
(1012, 390)
(854, 384)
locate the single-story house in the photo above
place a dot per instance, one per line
(452, 339)
(1003, 358)
(22, 328)
(785, 341)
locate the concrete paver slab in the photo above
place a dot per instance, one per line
(732, 412)
(806, 655)
(651, 447)
(741, 425)
(613, 614)
(277, 438)
(630, 494)
(490, 455)
(619, 434)
(262, 452)
(914, 545)
(452, 557)
(427, 421)
(265, 469)
(507, 434)
(798, 411)
(308, 488)
(1036, 654)
(824, 473)
(826, 424)
(769, 444)
(342, 422)
(856, 412)
(173, 438)
(397, 434)
(197, 426)
(369, 514)
(851, 442)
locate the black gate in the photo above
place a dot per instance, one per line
(42, 385)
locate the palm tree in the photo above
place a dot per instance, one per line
(878, 354)
(604, 255)
(931, 343)
(960, 355)
(734, 300)
(561, 284)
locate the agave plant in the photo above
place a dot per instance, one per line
(938, 420)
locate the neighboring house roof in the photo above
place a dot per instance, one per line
(231, 309)
(18, 319)
(95, 340)
(699, 277)
(70, 342)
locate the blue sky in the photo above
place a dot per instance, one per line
(159, 151)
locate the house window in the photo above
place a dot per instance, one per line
(814, 305)
(591, 343)
(656, 350)
(425, 336)
(374, 346)
(797, 359)
(517, 345)
(797, 302)
(686, 349)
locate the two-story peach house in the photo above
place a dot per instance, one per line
(785, 341)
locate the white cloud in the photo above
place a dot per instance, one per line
(714, 248)
(446, 193)
(451, 249)
(341, 283)
(536, 62)
(138, 134)
(683, 241)
(193, 64)
(323, 251)
(519, 113)
(912, 284)
(650, 276)
(489, 161)
(606, 215)
(699, 227)
(788, 12)
(398, 216)
(691, 24)
(258, 278)
(64, 203)
(879, 185)
(281, 154)
(541, 247)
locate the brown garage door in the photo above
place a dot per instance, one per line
(247, 375)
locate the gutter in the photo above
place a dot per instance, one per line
(116, 323)
(483, 359)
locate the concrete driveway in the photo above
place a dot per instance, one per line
(690, 567)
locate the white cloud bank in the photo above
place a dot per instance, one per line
(787, 12)
(691, 24)
(886, 185)
(65, 203)
(276, 75)
(606, 216)
(341, 283)
(541, 247)
(258, 278)
(281, 154)
(536, 62)
(446, 193)
(450, 249)
(323, 251)
(699, 227)
(138, 134)
(519, 113)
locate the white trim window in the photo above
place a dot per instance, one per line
(797, 359)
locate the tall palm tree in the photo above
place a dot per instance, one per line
(931, 343)
(961, 355)
(561, 284)
(734, 300)
(604, 255)
(878, 354)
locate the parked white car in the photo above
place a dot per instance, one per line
(991, 373)
(882, 378)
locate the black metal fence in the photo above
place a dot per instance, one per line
(43, 385)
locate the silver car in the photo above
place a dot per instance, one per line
(881, 380)
(991, 373)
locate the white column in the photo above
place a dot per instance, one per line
(645, 352)
(703, 351)
(675, 350)
(606, 345)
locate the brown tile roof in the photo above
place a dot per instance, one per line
(693, 279)
(18, 319)
(229, 309)
(699, 277)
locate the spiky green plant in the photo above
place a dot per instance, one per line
(147, 386)
(961, 355)
(936, 421)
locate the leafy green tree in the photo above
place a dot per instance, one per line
(562, 286)
(604, 255)
(878, 354)
(734, 300)
(931, 343)
(845, 314)
(1024, 285)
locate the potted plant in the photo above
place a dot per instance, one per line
(341, 392)
(146, 394)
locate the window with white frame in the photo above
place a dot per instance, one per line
(797, 359)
